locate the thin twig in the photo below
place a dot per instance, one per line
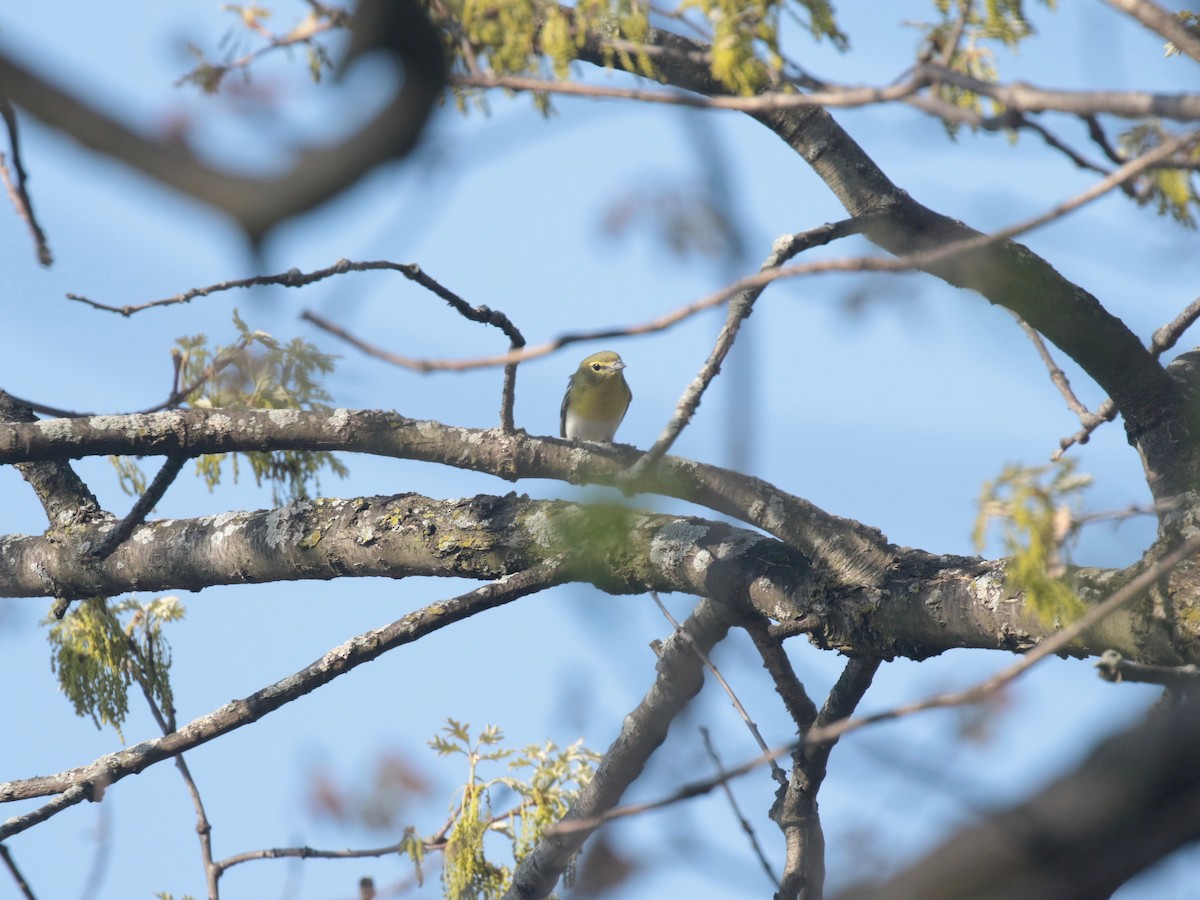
(921, 260)
(11, 865)
(1056, 374)
(742, 820)
(165, 719)
(18, 191)
(1161, 341)
(294, 278)
(145, 503)
(739, 309)
(776, 772)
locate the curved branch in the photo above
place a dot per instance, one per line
(398, 27)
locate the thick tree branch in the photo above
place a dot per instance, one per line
(874, 595)
(858, 552)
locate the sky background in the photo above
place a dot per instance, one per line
(890, 400)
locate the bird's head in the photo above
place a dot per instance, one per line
(601, 366)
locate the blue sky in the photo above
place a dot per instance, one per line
(895, 417)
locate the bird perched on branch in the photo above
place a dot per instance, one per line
(596, 400)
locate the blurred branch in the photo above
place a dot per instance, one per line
(1162, 23)
(1128, 805)
(18, 193)
(397, 27)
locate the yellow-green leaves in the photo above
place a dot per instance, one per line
(102, 647)
(545, 780)
(1190, 21)
(259, 372)
(1033, 508)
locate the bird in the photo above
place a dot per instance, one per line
(596, 399)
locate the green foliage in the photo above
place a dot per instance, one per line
(963, 39)
(101, 647)
(167, 895)
(1172, 191)
(1033, 507)
(129, 475)
(258, 372)
(551, 779)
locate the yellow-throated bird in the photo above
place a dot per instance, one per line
(596, 400)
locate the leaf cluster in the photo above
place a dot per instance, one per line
(1171, 190)
(1033, 507)
(963, 40)
(549, 780)
(101, 647)
(259, 372)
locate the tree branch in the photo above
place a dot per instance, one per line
(87, 782)
(680, 677)
(398, 27)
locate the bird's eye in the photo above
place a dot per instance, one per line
(596, 367)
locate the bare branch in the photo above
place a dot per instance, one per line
(776, 771)
(923, 261)
(796, 810)
(145, 503)
(11, 865)
(1017, 97)
(680, 677)
(1056, 374)
(1161, 23)
(1112, 666)
(18, 191)
(319, 173)
(1163, 340)
(88, 781)
(733, 804)
(740, 307)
